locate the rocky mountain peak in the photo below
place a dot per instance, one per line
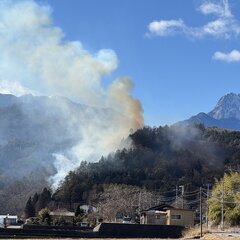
(227, 107)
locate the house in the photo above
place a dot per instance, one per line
(64, 214)
(6, 220)
(179, 217)
(167, 215)
(154, 215)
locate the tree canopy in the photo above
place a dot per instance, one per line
(157, 159)
(226, 194)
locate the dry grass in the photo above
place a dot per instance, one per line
(188, 234)
(194, 231)
(205, 237)
(93, 239)
(219, 237)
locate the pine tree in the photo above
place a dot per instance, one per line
(29, 209)
(43, 200)
(35, 199)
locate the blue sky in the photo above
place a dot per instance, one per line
(178, 67)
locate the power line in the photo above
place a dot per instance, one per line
(192, 202)
(192, 194)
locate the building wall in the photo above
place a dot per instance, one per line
(118, 230)
(153, 218)
(180, 217)
(9, 220)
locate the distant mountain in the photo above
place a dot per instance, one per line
(31, 130)
(228, 107)
(226, 114)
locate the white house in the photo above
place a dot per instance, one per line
(8, 219)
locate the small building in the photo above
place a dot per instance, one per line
(180, 217)
(66, 215)
(167, 215)
(153, 217)
(6, 220)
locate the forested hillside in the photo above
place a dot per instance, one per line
(159, 159)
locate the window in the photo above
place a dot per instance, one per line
(160, 217)
(176, 217)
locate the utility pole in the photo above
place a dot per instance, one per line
(176, 197)
(139, 202)
(222, 211)
(200, 198)
(207, 210)
(182, 187)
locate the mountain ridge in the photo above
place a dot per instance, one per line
(226, 114)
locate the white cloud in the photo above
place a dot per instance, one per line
(221, 28)
(233, 56)
(165, 28)
(224, 26)
(221, 10)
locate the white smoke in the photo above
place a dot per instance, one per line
(35, 55)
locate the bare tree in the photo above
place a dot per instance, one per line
(125, 199)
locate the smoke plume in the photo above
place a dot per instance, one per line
(36, 56)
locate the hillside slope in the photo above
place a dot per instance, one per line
(159, 159)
